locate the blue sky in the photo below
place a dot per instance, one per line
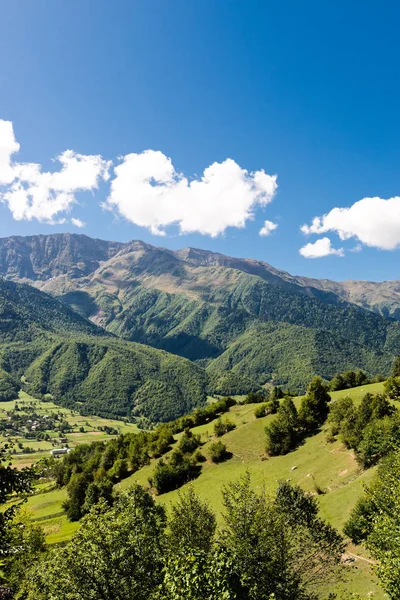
(307, 91)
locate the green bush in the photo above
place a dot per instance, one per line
(173, 474)
(260, 411)
(219, 452)
(222, 427)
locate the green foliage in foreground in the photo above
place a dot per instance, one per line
(268, 547)
(12, 483)
(376, 519)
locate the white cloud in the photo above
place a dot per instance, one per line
(148, 191)
(8, 146)
(78, 223)
(321, 247)
(268, 227)
(30, 193)
(374, 222)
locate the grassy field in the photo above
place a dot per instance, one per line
(315, 464)
(46, 505)
(91, 425)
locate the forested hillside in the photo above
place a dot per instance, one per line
(247, 323)
(49, 349)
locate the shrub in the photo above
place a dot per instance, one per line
(173, 474)
(199, 456)
(260, 411)
(218, 452)
(222, 427)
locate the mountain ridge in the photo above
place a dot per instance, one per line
(78, 255)
(205, 306)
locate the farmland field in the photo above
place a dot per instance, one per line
(83, 429)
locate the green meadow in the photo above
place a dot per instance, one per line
(91, 425)
(316, 465)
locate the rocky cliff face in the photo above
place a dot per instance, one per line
(43, 257)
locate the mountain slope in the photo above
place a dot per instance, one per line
(41, 257)
(58, 352)
(208, 307)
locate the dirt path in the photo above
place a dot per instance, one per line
(371, 562)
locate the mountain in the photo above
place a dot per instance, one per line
(41, 257)
(51, 349)
(246, 322)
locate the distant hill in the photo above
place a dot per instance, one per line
(56, 351)
(246, 322)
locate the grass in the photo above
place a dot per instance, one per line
(91, 425)
(46, 506)
(329, 466)
(316, 463)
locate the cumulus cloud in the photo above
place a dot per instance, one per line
(148, 191)
(78, 223)
(321, 247)
(374, 222)
(30, 193)
(268, 227)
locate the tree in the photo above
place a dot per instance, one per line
(28, 543)
(314, 407)
(254, 398)
(199, 575)
(188, 443)
(316, 548)
(361, 378)
(392, 387)
(281, 433)
(76, 489)
(278, 545)
(117, 554)
(379, 437)
(192, 524)
(277, 393)
(249, 537)
(341, 411)
(376, 518)
(396, 367)
(337, 383)
(171, 475)
(12, 482)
